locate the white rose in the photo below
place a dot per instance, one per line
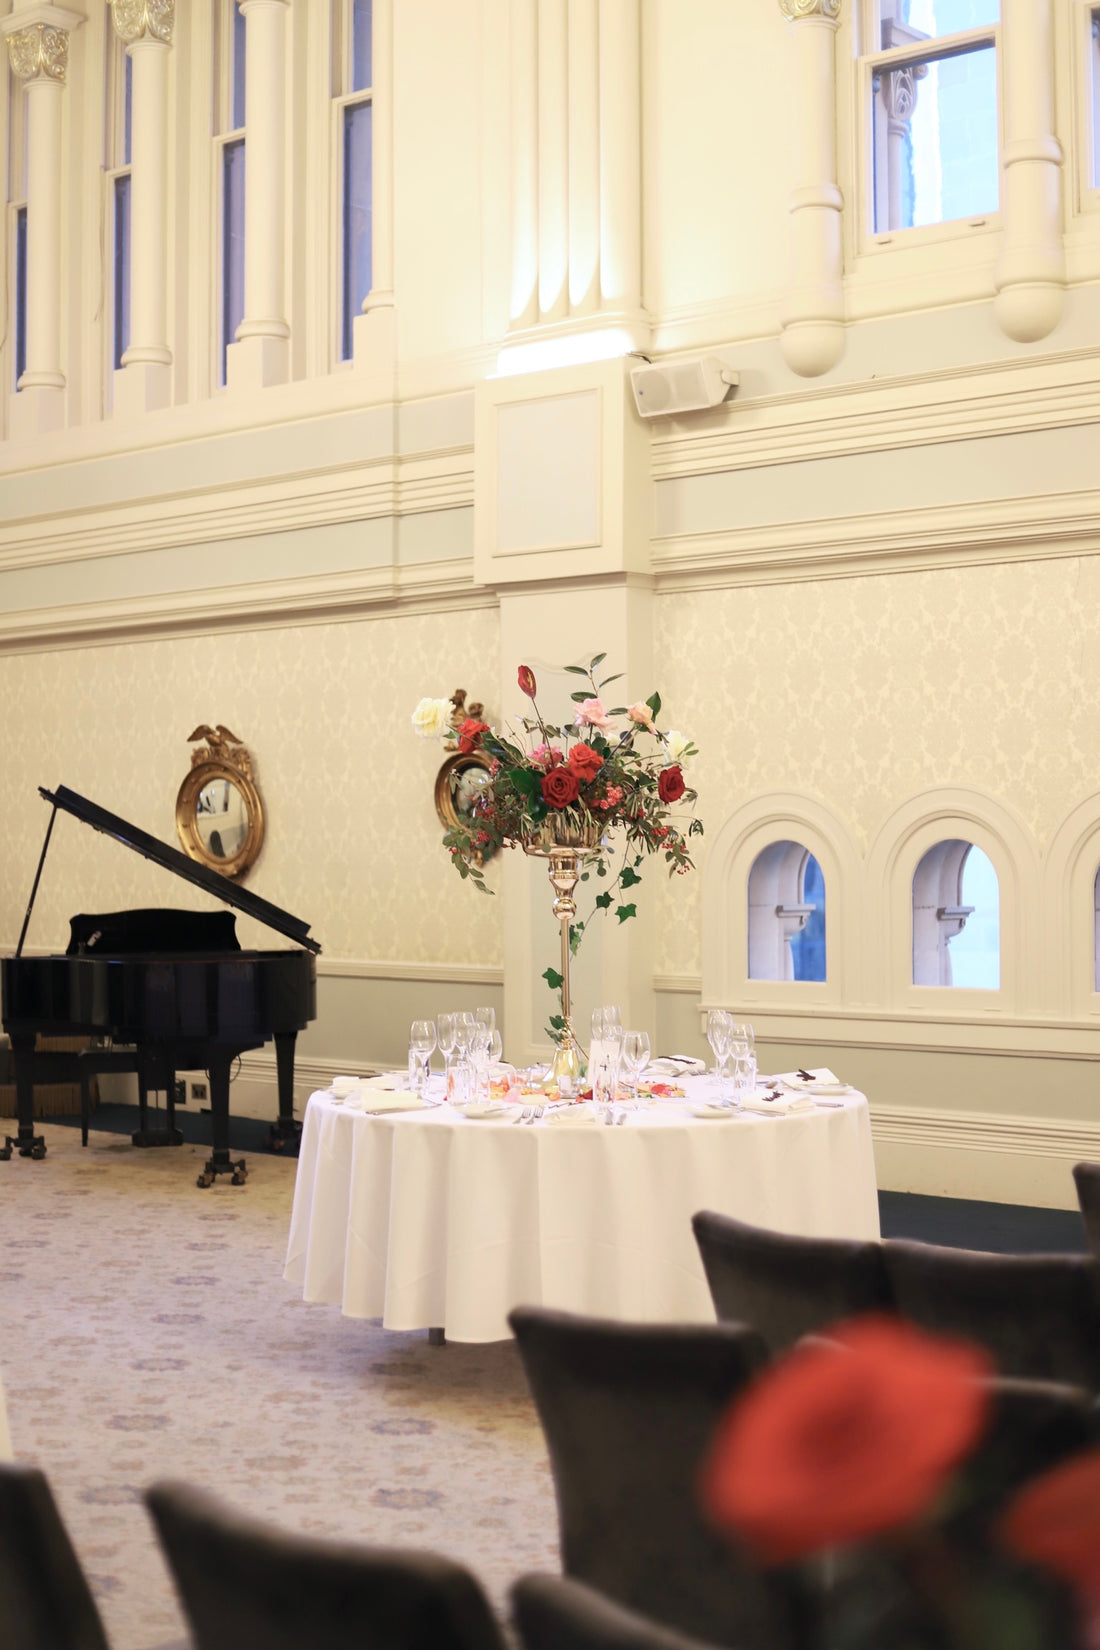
(677, 745)
(432, 718)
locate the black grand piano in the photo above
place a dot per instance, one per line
(175, 984)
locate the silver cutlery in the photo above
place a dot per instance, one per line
(525, 1115)
(536, 1113)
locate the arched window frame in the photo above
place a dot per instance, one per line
(779, 817)
(777, 909)
(1070, 867)
(946, 815)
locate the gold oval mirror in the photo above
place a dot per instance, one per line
(459, 786)
(219, 811)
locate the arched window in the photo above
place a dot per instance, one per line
(956, 918)
(786, 914)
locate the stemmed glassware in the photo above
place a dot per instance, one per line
(461, 1088)
(445, 1042)
(720, 1037)
(421, 1044)
(635, 1058)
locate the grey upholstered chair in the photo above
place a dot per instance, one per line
(248, 1586)
(628, 1411)
(1087, 1179)
(555, 1613)
(787, 1287)
(45, 1600)
(1037, 1315)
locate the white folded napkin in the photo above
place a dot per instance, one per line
(377, 1102)
(490, 1109)
(819, 1081)
(704, 1108)
(573, 1116)
(386, 1080)
(778, 1107)
(675, 1065)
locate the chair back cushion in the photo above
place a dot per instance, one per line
(628, 1411)
(1037, 1315)
(45, 1601)
(246, 1584)
(1087, 1178)
(785, 1286)
(556, 1613)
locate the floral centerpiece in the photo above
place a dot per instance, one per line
(879, 1447)
(603, 787)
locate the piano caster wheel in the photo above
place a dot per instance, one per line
(206, 1178)
(240, 1176)
(37, 1151)
(5, 1152)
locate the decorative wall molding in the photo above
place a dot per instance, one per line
(1067, 1139)
(1032, 528)
(1009, 397)
(427, 587)
(135, 19)
(314, 497)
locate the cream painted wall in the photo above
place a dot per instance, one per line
(352, 840)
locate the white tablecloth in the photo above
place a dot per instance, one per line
(429, 1218)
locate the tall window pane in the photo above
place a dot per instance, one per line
(361, 68)
(1096, 100)
(20, 293)
(128, 111)
(121, 281)
(357, 216)
(976, 952)
(232, 244)
(808, 946)
(935, 140)
(930, 19)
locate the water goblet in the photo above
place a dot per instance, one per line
(496, 1047)
(719, 1036)
(486, 1018)
(421, 1044)
(635, 1058)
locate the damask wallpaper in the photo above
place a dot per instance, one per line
(353, 840)
(865, 691)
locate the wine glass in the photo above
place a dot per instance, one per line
(719, 1036)
(486, 1018)
(421, 1044)
(496, 1047)
(445, 1037)
(635, 1058)
(465, 1034)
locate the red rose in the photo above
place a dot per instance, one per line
(1055, 1522)
(560, 788)
(526, 678)
(585, 763)
(838, 1442)
(469, 734)
(670, 784)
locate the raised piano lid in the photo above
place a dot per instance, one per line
(178, 863)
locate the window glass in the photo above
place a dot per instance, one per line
(902, 21)
(232, 243)
(121, 281)
(357, 216)
(935, 150)
(808, 947)
(128, 111)
(361, 69)
(976, 952)
(1096, 99)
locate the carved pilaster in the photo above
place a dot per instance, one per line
(40, 51)
(144, 20)
(794, 9)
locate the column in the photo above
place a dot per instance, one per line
(620, 157)
(584, 157)
(38, 51)
(375, 340)
(1031, 270)
(144, 381)
(261, 355)
(553, 128)
(812, 315)
(523, 60)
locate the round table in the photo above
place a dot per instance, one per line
(429, 1219)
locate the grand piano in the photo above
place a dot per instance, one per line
(175, 984)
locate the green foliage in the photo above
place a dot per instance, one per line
(553, 979)
(623, 912)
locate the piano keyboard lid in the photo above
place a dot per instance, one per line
(150, 847)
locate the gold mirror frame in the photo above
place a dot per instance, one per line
(449, 815)
(222, 756)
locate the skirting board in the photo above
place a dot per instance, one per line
(991, 1157)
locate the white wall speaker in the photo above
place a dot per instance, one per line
(681, 386)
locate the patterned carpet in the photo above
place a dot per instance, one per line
(145, 1331)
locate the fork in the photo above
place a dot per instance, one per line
(525, 1115)
(536, 1113)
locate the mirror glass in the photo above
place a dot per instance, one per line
(221, 818)
(468, 785)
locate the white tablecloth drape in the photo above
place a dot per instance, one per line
(429, 1218)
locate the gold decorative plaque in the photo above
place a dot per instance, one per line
(219, 811)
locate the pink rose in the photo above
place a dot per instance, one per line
(593, 714)
(641, 714)
(547, 756)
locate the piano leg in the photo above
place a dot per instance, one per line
(153, 1069)
(287, 1130)
(219, 1161)
(25, 1141)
